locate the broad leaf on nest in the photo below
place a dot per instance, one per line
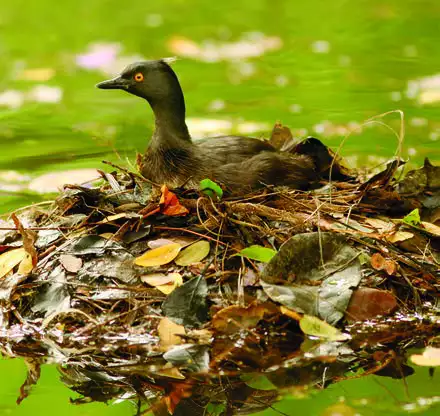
(325, 270)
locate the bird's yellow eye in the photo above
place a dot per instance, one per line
(139, 77)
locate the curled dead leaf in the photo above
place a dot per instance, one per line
(166, 283)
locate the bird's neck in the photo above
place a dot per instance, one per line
(170, 126)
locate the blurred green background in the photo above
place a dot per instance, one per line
(321, 67)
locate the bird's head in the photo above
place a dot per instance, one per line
(152, 80)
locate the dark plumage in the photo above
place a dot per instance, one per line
(239, 163)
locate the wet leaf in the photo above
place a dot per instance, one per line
(90, 244)
(429, 358)
(54, 296)
(10, 259)
(235, 318)
(186, 305)
(413, 218)
(311, 325)
(191, 357)
(193, 254)
(158, 256)
(367, 303)
(258, 253)
(170, 205)
(168, 333)
(166, 283)
(325, 268)
(210, 188)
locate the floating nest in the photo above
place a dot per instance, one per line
(188, 303)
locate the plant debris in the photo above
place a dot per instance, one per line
(178, 298)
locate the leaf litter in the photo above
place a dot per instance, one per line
(176, 297)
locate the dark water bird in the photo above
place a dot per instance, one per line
(239, 163)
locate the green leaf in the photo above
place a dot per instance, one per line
(258, 382)
(413, 218)
(258, 253)
(311, 325)
(193, 254)
(210, 188)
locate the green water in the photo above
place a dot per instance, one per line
(340, 61)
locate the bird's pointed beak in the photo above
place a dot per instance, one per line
(117, 83)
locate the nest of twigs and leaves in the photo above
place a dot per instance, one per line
(188, 302)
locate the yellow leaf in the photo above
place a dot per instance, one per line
(26, 265)
(193, 253)
(113, 218)
(107, 236)
(158, 256)
(311, 325)
(10, 259)
(166, 283)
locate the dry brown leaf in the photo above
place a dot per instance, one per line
(431, 228)
(400, 236)
(71, 263)
(367, 303)
(158, 256)
(168, 333)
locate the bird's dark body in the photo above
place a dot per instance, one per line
(239, 163)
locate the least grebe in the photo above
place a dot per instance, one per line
(239, 163)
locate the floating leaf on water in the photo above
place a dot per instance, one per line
(311, 325)
(166, 283)
(429, 358)
(210, 188)
(413, 218)
(158, 256)
(10, 259)
(193, 254)
(258, 253)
